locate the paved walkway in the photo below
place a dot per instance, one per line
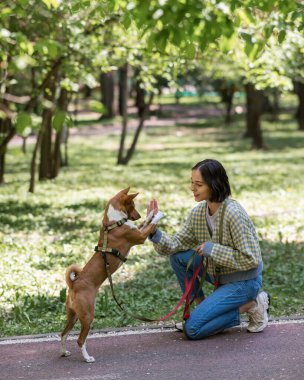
(162, 354)
(171, 115)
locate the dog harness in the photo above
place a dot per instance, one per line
(104, 249)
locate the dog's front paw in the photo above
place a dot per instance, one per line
(90, 359)
(157, 217)
(147, 221)
(150, 217)
(65, 353)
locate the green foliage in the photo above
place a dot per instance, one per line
(23, 121)
(41, 234)
(159, 39)
(58, 120)
(203, 23)
(96, 106)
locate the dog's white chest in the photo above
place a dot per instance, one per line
(116, 215)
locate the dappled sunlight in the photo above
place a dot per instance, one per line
(42, 233)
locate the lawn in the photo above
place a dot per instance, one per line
(42, 233)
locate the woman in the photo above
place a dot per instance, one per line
(218, 229)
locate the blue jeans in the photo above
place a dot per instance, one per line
(220, 310)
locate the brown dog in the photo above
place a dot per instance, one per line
(84, 283)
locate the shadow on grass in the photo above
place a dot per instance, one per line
(279, 143)
(93, 205)
(22, 216)
(153, 291)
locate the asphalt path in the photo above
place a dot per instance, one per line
(162, 354)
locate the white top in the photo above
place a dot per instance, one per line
(211, 219)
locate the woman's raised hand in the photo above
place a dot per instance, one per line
(152, 206)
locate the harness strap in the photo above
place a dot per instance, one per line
(114, 225)
(112, 251)
(104, 247)
(105, 240)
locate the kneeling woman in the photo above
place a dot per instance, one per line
(219, 229)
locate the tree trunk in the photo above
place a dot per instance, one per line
(253, 116)
(63, 103)
(227, 95)
(299, 90)
(275, 105)
(7, 131)
(123, 89)
(107, 93)
(24, 144)
(32, 103)
(64, 141)
(123, 86)
(76, 108)
(144, 115)
(2, 167)
(33, 162)
(45, 166)
(5, 128)
(140, 99)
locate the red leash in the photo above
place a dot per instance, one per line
(189, 285)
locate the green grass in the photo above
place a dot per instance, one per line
(42, 233)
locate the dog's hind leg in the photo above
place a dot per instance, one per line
(71, 320)
(85, 328)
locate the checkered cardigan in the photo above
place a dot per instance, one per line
(239, 249)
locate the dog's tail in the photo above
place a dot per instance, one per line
(71, 274)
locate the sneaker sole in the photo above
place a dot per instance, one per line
(179, 329)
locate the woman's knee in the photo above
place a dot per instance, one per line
(172, 259)
(192, 331)
(180, 258)
(175, 260)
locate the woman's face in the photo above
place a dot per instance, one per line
(199, 188)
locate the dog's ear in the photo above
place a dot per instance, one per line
(123, 192)
(132, 196)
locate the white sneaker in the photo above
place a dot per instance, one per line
(179, 326)
(258, 315)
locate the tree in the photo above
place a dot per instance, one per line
(40, 62)
(241, 29)
(293, 50)
(91, 39)
(51, 48)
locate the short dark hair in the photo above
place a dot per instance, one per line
(214, 174)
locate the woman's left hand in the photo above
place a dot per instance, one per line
(199, 249)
